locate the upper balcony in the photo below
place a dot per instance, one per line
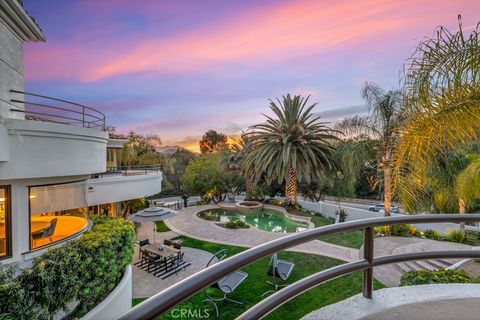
(50, 137)
(124, 183)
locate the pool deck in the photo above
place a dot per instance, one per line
(186, 222)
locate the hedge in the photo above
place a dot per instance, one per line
(84, 270)
(417, 277)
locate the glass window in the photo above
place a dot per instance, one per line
(56, 212)
(4, 221)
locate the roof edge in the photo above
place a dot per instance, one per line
(17, 19)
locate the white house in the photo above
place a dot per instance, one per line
(53, 156)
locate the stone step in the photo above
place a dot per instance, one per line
(421, 265)
(439, 263)
(402, 267)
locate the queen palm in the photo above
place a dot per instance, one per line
(381, 123)
(442, 94)
(291, 144)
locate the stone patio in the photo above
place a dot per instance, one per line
(145, 284)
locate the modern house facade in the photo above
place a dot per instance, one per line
(57, 163)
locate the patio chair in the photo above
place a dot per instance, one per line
(278, 269)
(226, 285)
(46, 232)
(151, 260)
(141, 244)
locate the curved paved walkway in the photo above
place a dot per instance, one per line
(187, 223)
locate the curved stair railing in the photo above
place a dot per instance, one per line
(170, 297)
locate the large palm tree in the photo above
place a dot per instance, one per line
(381, 122)
(292, 144)
(442, 96)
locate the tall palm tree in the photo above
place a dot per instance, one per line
(468, 184)
(442, 96)
(381, 122)
(291, 144)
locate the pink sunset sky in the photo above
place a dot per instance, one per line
(179, 68)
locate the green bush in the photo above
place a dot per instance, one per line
(342, 213)
(432, 234)
(85, 270)
(236, 224)
(472, 237)
(417, 277)
(455, 235)
(399, 230)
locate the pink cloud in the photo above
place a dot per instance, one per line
(260, 37)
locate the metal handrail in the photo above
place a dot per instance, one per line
(80, 114)
(148, 167)
(170, 297)
(125, 170)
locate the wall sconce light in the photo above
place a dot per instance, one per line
(2, 199)
(32, 196)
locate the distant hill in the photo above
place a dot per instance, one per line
(168, 149)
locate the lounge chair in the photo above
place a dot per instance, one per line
(226, 285)
(278, 269)
(167, 242)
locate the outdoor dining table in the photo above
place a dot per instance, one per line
(161, 250)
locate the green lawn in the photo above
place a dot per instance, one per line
(161, 226)
(251, 289)
(352, 239)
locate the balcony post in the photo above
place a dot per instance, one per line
(368, 253)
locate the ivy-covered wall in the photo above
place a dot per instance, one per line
(85, 270)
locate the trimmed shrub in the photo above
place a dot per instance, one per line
(418, 277)
(455, 235)
(382, 230)
(472, 237)
(399, 230)
(432, 234)
(84, 270)
(236, 224)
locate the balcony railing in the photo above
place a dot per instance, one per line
(170, 297)
(129, 170)
(44, 108)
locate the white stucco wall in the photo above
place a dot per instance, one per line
(4, 144)
(11, 71)
(438, 301)
(119, 188)
(328, 209)
(44, 149)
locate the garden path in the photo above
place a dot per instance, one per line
(187, 223)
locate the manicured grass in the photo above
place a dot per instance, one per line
(352, 239)
(249, 292)
(161, 226)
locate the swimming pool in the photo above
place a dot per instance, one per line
(267, 220)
